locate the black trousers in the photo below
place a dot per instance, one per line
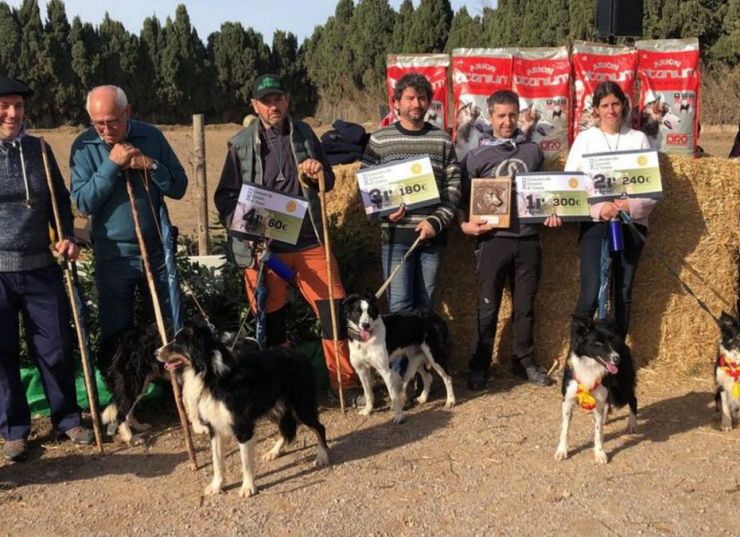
(40, 297)
(624, 265)
(500, 259)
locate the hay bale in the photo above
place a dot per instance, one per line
(695, 226)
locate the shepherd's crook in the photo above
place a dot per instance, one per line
(68, 278)
(160, 320)
(332, 306)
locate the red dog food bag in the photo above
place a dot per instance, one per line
(594, 63)
(476, 74)
(669, 93)
(432, 66)
(541, 77)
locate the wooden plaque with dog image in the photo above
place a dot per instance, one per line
(490, 200)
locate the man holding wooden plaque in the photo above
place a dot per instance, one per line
(507, 247)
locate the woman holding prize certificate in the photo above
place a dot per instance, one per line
(611, 134)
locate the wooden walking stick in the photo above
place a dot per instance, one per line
(68, 278)
(160, 319)
(330, 272)
(405, 258)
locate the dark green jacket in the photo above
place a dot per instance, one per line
(245, 146)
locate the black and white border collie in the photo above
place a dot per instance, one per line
(727, 371)
(232, 391)
(375, 340)
(599, 373)
(128, 364)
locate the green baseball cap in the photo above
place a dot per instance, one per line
(266, 84)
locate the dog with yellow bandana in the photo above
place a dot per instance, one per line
(598, 374)
(727, 371)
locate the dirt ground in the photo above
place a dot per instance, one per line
(484, 467)
(183, 212)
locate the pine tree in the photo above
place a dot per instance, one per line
(370, 31)
(401, 28)
(85, 61)
(66, 103)
(582, 19)
(329, 58)
(119, 55)
(183, 75)
(238, 56)
(727, 47)
(151, 45)
(286, 62)
(430, 26)
(465, 32)
(557, 20)
(10, 42)
(33, 63)
(534, 29)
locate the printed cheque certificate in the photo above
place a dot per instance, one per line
(543, 194)
(410, 182)
(623, 173)
(261, 213)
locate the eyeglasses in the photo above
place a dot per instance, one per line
(112, 124)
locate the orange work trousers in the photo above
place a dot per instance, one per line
(312, 280)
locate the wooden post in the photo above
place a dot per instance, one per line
(201, 185)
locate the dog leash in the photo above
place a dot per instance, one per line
(386, 283)
(657, 254)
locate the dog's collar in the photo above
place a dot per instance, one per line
(731, 368)
(585, 398)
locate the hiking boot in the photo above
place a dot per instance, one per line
(477, 379)
(533, 374)
(15, 450)
(79, 435)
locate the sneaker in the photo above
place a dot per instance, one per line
(353, 397)
(15, 450)
(477, 379)
(533, 374)
(79, 435)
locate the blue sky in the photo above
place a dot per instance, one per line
(265, 16)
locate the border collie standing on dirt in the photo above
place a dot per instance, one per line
(234, 391)
(599, 373)
(375, 340)
(727, 371)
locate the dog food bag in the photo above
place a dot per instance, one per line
(669, 93)
(594, 63)
(476, 74)
(541, 77)
(432, 66)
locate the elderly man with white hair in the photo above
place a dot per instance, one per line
(113, 148)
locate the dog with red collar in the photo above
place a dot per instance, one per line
(599, 374)
(727, 371)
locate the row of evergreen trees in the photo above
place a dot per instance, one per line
(169, 72)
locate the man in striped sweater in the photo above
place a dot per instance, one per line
(412, 137)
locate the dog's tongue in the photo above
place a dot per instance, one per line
(611, 368)
(172, 365)
(365, 335)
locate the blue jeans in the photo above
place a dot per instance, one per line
(413, 287)
(117, 280)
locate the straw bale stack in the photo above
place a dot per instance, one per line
(696, 226)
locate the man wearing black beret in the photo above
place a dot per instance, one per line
(31, 281)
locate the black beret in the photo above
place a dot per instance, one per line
(11, 86)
